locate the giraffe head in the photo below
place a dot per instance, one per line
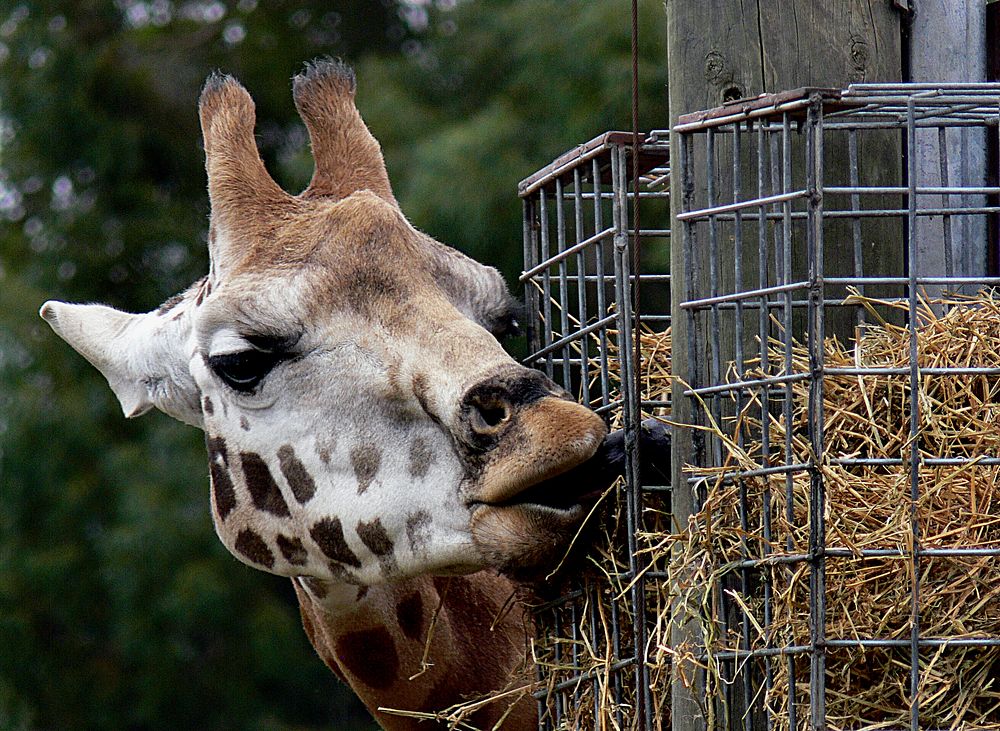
(362, 421)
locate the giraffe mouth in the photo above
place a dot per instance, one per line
(561, 494)
(524, 534)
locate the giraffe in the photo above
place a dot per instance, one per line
(367, 435)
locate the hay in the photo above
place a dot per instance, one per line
(867, 507)
(584, 650)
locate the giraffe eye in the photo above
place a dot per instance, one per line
(242, 371)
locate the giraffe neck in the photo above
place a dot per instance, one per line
(378, 646)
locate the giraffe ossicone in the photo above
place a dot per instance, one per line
(364, 426)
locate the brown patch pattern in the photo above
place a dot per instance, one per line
(329, 536)
(410, 616)
(218, 470)
(292, 549)
(302, 484)
(421, 458)
(418, 531)
(263, 489)
(317, 587)
(254, 548)
(206, 405)
(374, 536)
(370, 656)
(365, 459)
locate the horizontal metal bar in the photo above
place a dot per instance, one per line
(902, 190)
(860, 554)
(906, 280)
(736, 296)
(739, 385)
(566, 253)
(558, 601)
(859, 643)
(905, 371)
(740, 205)
(921, 642)
(603, 322)
(748, 474)
(573, 278)
(854, 213)
(582, 677)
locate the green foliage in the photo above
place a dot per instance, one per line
(119, 608)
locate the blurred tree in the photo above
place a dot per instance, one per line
(118, 606)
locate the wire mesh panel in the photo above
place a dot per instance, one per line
(579, 246)
(840, 353)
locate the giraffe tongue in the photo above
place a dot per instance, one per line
(587, 481)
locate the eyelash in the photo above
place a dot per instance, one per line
(244, 370)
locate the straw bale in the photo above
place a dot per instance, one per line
(867, 507)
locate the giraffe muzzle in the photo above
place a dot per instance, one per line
(520, 429)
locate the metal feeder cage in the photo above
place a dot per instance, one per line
(802, 219)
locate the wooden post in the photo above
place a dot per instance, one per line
(948, 43)
(723, 50)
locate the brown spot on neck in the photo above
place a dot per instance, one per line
(292, 549)
(264, 491)
(329, 536)
(418, 531)
(377, 540)
(253, 547)
(370, 656)
(421, 458)
(298, 477)
(374, 536)
(317, 587)
(410, 616)
(366, 460)
(223, 491)
(207, 406)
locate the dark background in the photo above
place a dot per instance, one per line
(119, 609)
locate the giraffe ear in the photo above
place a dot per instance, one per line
(141, 356)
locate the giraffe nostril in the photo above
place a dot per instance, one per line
(490, 408)
(488, 416)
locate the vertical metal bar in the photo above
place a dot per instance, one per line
(789, 396)
(914, 461)
(740, 363)
(817, 497)
(715, 374)
(593, 597)
(543, 708)
(602, 304)
(623, 306)
(949, 256)
(581, 287)
(852, 155)
(546, 281)
(529, 230)
(763, 332)
(632, 420)
(690, 286)
(557, 657)
(567, 354)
